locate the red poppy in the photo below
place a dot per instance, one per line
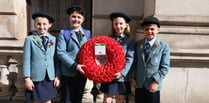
(83, 34)
(155, 45)
(122, 38)
(52, 43)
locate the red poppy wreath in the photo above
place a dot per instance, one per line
(115, 59)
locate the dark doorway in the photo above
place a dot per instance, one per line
(57, 8)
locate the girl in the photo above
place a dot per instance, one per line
(121, 33)
(38, 61)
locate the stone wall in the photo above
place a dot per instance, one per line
(101, 24)
(185, 28)
(12, 32)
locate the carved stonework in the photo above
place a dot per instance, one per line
(4, 83)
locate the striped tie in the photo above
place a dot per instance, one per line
(44, 41)
(147, 50)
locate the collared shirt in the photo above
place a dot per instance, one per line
(119, 37)
(151, 42)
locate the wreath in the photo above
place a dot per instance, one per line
(115, 59)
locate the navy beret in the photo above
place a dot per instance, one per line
(151, 20)
(41, 14)
(120, 14)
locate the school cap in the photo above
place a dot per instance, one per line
(78, 9)
(151, 20)
(42, 14)
(120, 14)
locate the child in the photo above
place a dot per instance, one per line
(69, 43)
(121, 33)
(38, 61)
(151, 63)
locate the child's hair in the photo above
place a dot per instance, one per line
(78, 9)
(127, 20)
(126, 31)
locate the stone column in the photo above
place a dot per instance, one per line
(17, 84)
(4, 83)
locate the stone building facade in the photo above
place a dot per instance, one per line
(185, 26)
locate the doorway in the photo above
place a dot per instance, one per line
(57, 8)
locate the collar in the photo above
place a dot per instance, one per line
(151, 42)
(120, 35)
(80, 30)
(40, 35)
(74, 30)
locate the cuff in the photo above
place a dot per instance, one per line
(74, 65)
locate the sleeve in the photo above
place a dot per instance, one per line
(61, 51)
(133, 66)
(164, 64)
(129, 58)
(26, 58)
(56, 63)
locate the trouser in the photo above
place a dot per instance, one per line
(72, 88)
(142, 95)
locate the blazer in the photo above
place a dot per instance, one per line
(68, 53)
(155, 68)
(128, 47)
(37, 62)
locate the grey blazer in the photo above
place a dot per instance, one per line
(68, 53)
(128, 47)
(37, 62)
(155, 68)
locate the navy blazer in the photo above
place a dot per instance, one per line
(68, 53)
(37, 62)
(128, 46)
(155, 68)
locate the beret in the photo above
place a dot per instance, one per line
(151, 20)
(41, 14)
(120, 14)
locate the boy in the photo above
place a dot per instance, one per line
(69, 43)
(151, 63)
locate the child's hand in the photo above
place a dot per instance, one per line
(79, 68)
(117, 75)
(56, 81)
(153, 87)
(29, 84)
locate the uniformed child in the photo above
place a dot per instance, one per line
(69, 43)
(120, 86)
(151, 63)
(38, 61)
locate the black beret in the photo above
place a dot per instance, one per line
(41, 14)
(120, 14)
(151, 20)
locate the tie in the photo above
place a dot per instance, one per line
(44, 41)
(78, 34)
(119, 38)
(147, 50)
